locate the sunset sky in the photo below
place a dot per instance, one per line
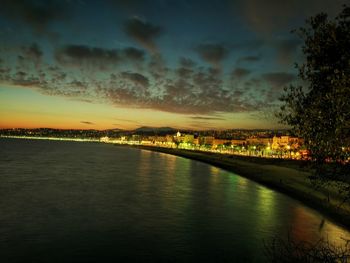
(130, 63)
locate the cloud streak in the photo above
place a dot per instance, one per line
(238, 73)
(206, 118)
(37, 14)
(212, 53)
(278, 79)
(96, 58)
(143, 33)
(87, 122)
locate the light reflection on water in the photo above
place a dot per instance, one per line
(78, 202)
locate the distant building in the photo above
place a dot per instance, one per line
(206, 140)
(259, 141)
(285, 142)
(188, 138)
(136, 137)
(104, 139)
(169, 138)
(239, 142)
(217, 142)
(160, 139)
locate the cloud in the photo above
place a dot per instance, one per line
(143, 32)
(76, 84)
(240, 73)
(276, 82)
(203, 92)
(286, 49)
(88, 57)
(97, 58)
(134, 54)
(187, 89)
(212, 53)
(249, 59)
(186, 68)
(206, 118)
(87, 122)
(29, 82)
(33, 52)
(186, 62)
(157, 67)
(266, 17)
(37, 14)
(184, 73)
(278, 79)
(136, 78)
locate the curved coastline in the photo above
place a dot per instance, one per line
(283, 176)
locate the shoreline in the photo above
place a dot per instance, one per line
(289, 177)
(283, 177)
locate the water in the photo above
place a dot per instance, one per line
(90, 202)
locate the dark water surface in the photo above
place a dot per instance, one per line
(90, 202)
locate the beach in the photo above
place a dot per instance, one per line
(290, 177)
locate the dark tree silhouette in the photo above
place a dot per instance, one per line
(319, 110)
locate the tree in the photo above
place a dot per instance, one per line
(319, 111)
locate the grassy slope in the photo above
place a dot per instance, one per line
(282, 175)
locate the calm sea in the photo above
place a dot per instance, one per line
(90, 202)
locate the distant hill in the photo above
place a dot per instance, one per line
(115, 130)
(145, 130)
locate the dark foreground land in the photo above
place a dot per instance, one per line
(287, 176)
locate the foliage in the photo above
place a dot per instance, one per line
(322, 251)
(319, 111)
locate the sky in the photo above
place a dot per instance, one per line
(84, 64)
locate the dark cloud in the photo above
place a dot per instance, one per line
(88, 57)
(78, 85)
(97, 58)
(200, 92)
(57, 74)
(157, 67)
(134, 54)
(186, 62)
(22, 79)
(240, 73)
(206, 118)
(278, 79)
(276, 82)
(254, 83)
(286, 50)
(143, 32)
(184, 73)
(212, 53)
(33, 51)
(38, 14)
(203, 92)
(249, 59)
(87, 122)
(186, 68)
(136, 78)
(268, 16)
